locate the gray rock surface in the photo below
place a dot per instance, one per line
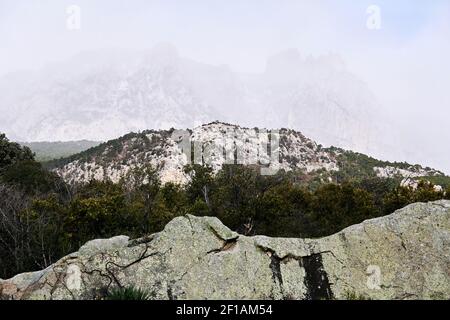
(402, 256)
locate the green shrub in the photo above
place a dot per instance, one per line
(128, 293)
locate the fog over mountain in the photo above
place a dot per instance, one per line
(104, 94)
(381, 91)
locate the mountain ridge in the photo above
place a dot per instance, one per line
(163, 150)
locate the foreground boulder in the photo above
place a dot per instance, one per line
(402, 256)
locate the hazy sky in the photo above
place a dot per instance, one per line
(405, 63)
(239, 33)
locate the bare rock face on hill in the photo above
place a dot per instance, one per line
(402, 256)
(217, 144)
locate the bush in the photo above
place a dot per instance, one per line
(128, 293)
(426, 192)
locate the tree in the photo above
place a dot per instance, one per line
(283, 207)
(235, 195)
(142, 185)
(335, 207)
(101, 216)
(378, 187)
(200, 183)
(426, 192)
(174, 197)
(13, 231)
(11, 152)
(30, 176)
(32, 233)
(397, 199)
(19, 169)
(47, 233)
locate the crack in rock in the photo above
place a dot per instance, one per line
(276, 270)
(144, 240)
(316, 279)
(227, 246)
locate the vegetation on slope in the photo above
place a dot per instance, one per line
(112, 149)
(360, 166)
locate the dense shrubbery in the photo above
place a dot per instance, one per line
(43, 219)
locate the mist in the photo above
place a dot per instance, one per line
(403, 57)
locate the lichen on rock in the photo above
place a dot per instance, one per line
(402, 256)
